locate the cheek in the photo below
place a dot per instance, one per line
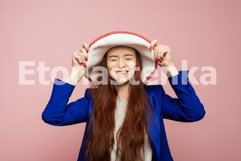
(131, 65)
(110, 66)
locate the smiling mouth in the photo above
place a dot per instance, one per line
(122, 71)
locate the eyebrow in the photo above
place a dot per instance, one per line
(124, 55)
(128, 55)
(112, 56)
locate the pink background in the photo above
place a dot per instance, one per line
(206, 33)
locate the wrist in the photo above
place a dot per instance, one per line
(170, 70)
(75, 75)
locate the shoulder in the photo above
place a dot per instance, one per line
(89, 92)
(156, 89)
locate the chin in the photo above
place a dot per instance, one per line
(120, 81)
(123, 82)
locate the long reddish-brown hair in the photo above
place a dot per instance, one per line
(132, 133)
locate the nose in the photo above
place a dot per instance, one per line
(121, 63)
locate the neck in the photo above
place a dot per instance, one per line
(123, 90)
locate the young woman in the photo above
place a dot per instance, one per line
(123, 115)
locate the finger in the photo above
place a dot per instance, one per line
(82, 58)
(160, 63)
(77, 56)
(164, 54)
(157, 51)
(160, 57)
(166, 51)
(77, 61)
(82, 47)
(86, 46)
(154, 44)
(85, 54)
(155, 57)
(161, 49)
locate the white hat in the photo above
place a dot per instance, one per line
(99, 46)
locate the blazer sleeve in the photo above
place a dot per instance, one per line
(59, 112)
(187, 107)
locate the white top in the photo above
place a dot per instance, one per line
(119, 118)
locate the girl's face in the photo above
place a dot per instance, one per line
(121, 63)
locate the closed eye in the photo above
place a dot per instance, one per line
(128, 58)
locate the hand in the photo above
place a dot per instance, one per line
(163, 58)
(162, 54)
(80, 57)
(79, 60)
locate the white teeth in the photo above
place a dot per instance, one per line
(121, 71)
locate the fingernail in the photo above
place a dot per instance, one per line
(86, 58)
(155, 58)
(151, 47)
(87, 48)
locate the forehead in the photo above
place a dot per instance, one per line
(121, 50)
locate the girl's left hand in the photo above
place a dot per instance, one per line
(162, 53)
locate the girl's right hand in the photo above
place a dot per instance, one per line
(79, 60)
(80, 57)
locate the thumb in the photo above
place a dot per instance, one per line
(154, 43)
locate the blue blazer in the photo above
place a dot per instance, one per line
(185, 108)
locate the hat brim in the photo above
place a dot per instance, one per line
(103, 43)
